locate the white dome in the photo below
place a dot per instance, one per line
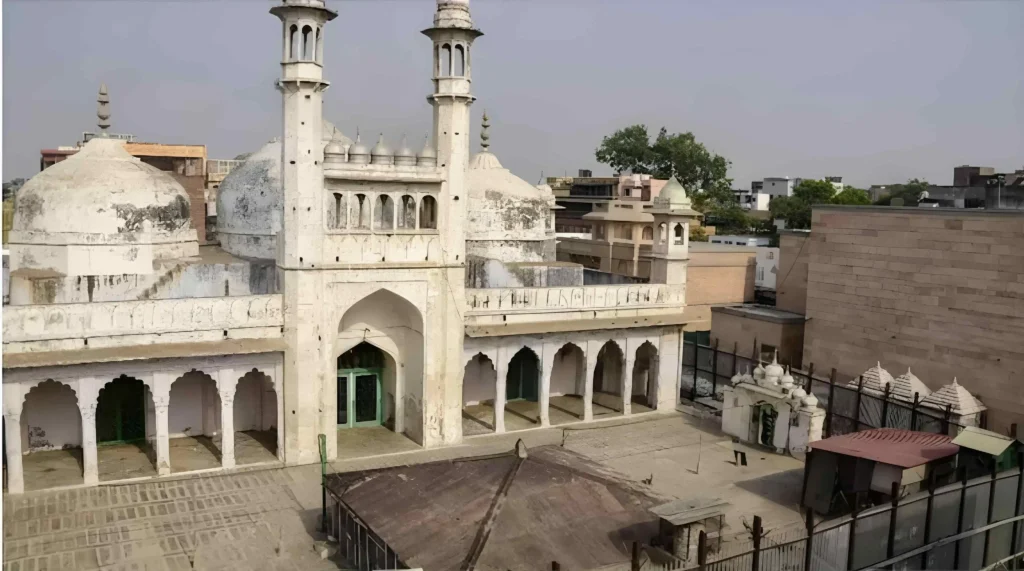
(101, 212)
(105, 192)
(250, 199)
(507, 213)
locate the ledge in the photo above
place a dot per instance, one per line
(142, 352)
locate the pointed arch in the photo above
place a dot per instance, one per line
(648, 233)
(446, 60)
(308, 43)
(428, 213)
(608, 377)
(678, 234)
(459, 64)
(645, 375)
(384, 213)
(50, 417)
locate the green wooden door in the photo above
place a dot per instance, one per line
(360, 398)
(121, 412)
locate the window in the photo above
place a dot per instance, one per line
(648, 233)
(340, 211)
(407, 217)
(363, 210)
(428, 213)
(384, 213)
(771, 255)
(294, 48)
(307, 43)
(624, 232)
(446, 61)
(678, 234)
(459, 68)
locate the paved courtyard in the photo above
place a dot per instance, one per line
(266, 519)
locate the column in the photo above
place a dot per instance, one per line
(15, 473)
(161, 403)
(588, 388)
(546, 365)
(627, 382)
(226, 387)
(279, 390)
(90, 460)
(501, 368)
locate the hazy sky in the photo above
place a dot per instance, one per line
(877, 91)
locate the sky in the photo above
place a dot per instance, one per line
(875, 91)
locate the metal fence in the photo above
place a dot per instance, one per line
(358, 545)
(706, 370)
(967, 526)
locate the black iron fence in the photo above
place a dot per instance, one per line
(358, 545)
(707, 370)
(967, 525)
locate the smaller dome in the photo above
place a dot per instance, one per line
(746, 376)
(810, 401)
(358, 153)
(759, 372)
(428, 152)
(334, 148)
(381, 154)
(773, 372)
(798, 393)
(405, 156)
(787, 381)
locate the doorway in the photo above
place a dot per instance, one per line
(360, 390)
(523, 377)
(121, 411)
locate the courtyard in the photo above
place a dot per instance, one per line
(265, 517)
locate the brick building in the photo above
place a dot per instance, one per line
(941, 291)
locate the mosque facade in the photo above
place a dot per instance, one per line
(356, 290)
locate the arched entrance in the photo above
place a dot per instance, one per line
(52, 437)
(522, 390)
(645, 373)
(361, 387)
(608, 380)
(121, 430)
(568, 385)
(380, 370)
(193, 423)
(479, 391)
(255, 418)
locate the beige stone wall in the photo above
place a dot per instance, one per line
(742, 332)
(941, 291)
(720, 277)
(791, 282)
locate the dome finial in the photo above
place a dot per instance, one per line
(103, 110)
(485, 137)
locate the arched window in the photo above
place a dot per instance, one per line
(428, 213)
(407, 214)
(319, 54)
(384, 213)
(663, 233)
(446, 60)
(293, 43)
(459, 68)
(340, 211)
(307, 43)
(678, 234)
(648, 233)
(362, 206)
(624, 231)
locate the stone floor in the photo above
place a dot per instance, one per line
(266, 519)
(522, 414)
(371, 441)
(62, 468)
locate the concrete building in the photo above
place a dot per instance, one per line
(344, 300)
(752, 200)
(583, 194)
(738, 240)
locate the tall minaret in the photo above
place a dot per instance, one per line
(453, 36)
(300, 239)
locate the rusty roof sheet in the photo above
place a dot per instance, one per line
(894, 446)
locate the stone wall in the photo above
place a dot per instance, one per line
(720, 277)
(937, 290)
(740, 330)
(791, 282)
(555, 304)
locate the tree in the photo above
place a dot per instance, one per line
(795, 211)
(702, 173)
(852, 196)
(910, 192)
(627, 149)
(698, 233)
(814, 191)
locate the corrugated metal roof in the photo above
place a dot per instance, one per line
(983, 441)
(898, 447)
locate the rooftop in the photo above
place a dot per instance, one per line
(893, 446)
(761, 312)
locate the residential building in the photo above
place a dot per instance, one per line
(737, 240)
(580, 195)
(767, 268)
(779, 186)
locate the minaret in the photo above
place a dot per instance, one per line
(300, 240)
(103, 111)
(452, 35)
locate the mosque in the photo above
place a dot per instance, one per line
(407, 299)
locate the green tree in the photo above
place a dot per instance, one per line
(698, 233)
(814, 191)
(852, 196)
(702, 173)
(795, 211)
(910, 192)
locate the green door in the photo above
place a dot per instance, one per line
(121, 411)
(359, 398)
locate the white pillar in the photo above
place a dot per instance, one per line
(546, 365)
(90, 459)
(161, 402)
(627, 384)
(279, 389)
(226, 387)
(588, 388)
(400, 400)
(15, 473)
(499, 394)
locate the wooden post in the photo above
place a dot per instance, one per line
(831, 399)
(635, 557)
(714, 370)
(808, 550)
(890, 548)
(928, 514)
(755, 558)
(945, 422)
(913, 411)
(735, 356)
(810, 379)
(860, 389)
